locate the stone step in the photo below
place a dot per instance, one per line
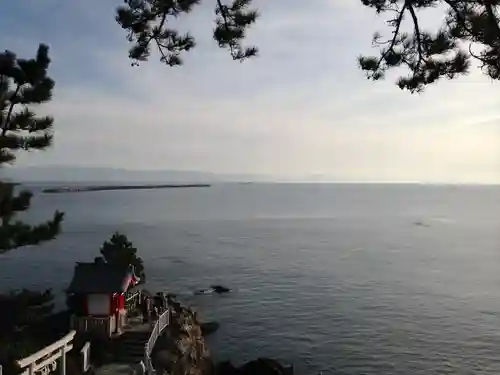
(135, 337)
(129, 355)
(133, 350)
(129, 360)
(125, 356)
(133, 341)
(130, 347)
(130, 351)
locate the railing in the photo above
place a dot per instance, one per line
(132, 301)
(129, 296)
(45, 360)
(160, 324)
(95, 323)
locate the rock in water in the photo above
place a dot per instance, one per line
(261, 366)
(202, 291)
(209, 327)
(226, 368)
(265, 366)
(220, 289)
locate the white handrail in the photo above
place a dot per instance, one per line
(161, 323)
(45, 360)
(65, 341)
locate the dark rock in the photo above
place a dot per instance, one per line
(265, 366)
(261, 366)
(226, 368)
(209, 327)
(181, 349)
(164, 360)
(220, 289)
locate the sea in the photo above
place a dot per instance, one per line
(332, 278)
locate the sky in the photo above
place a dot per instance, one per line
(302, 109)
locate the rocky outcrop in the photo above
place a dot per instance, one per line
(209, 328)
(182, 349)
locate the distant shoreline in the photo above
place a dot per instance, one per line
(80, 189)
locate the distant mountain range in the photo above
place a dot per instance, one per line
(90, 174)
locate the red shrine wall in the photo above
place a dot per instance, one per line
(105, 304)
(117, 303)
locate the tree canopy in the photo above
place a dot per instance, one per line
(147, 22)
(470, 30)
(118, 250)
(23, 83)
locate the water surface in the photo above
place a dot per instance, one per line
(344, 279)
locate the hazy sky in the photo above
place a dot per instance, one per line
(302, 108)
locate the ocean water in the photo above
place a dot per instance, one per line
(342, 279)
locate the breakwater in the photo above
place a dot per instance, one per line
(78, 189)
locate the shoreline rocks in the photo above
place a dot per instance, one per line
(182, 350)
(209, 328)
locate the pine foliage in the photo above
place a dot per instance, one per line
(147, 23)
(470, 30)
(118, 250)
(24, 83)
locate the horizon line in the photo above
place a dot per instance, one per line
(288, 182)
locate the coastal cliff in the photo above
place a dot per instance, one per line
(182, 350)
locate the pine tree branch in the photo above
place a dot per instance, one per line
(9, 113)
(155, 34)
(146, 20)
(20, 234)
(399, 21)
(492, 17)
(417, 35)
(223, 12)
(459, 16)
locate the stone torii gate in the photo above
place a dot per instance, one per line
(52, 357)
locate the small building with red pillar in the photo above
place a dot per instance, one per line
(97, 296)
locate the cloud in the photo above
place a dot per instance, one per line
(302, 107)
